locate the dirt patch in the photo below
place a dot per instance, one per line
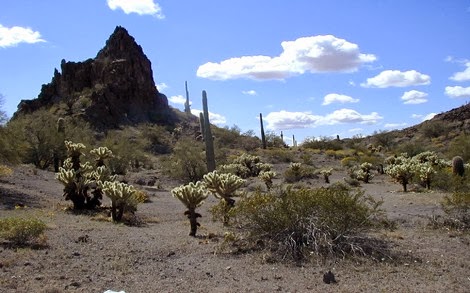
(88, 253)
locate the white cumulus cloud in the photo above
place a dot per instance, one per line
(250, 93)
(429, 116)
(351, 116)
(337, 98)
(414, 97)
(396, 78)
(141, 7)
(395, 125)
(178, 100)
(457, 91)
(295, 120)
(10, 37)
(463, 75)
(290, 120)
(162, 86)
(322, 53)
(214, 118)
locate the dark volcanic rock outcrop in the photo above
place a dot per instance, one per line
(115, 88)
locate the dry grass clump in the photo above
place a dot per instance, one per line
(21, 231)
(298, 224)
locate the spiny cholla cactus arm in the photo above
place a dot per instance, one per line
(101, 154)
(267, 177)
(74, 151)
(223, 186)
(192, 196)
(326, 174)
(121, 195)
(425, 172)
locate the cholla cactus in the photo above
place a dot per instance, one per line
(364, 173)
(425, 172)
(192, 196)
(101, 154)
(74, 151)
(224, 187)
(121, 195)
(326, 174)
(79, 178)
(267, 177)
(402, 171)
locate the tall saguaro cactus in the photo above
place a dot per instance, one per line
(201, 125)
(210, 156)
(263, 136)
(187, 108)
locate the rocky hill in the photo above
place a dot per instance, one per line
(114, 88)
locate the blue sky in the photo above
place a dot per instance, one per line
(312, 68)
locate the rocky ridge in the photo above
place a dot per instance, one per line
(114, 88)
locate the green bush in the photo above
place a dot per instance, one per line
(322, 143)
(20, 231)
(278, 155)
(457, 208)
(303, 222)
(460, 146)
(433, 129)
(187, 162)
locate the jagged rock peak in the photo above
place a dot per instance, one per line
(115, 88)
(120, 45)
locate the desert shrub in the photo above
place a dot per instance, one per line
(10, 146)
(141, 196)
(278, 155)
(232, 138)
(457, 209)
(303, 222)
(384, 138)
(412, 149)
(349, 161)
(433, 129)
(37, 140)
(322, 143)
(5, 171)
(273, 140)
(187, 162)
(21, 231)
(126, 157)
(158, 138)
(460, 146)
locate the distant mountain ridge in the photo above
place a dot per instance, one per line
(115, 88)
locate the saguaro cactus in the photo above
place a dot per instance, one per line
(210, 156)
(201, 125)
(263, 136)
(192, 196)
(187, 108)
(59, 151)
